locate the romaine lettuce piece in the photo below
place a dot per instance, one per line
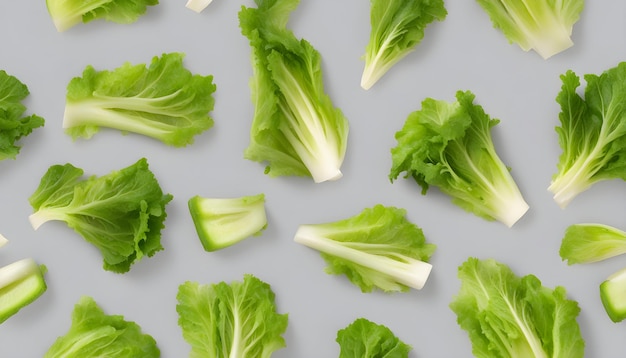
(197, 5)
(121, 213)
(613, 295)
(230, 320)
(544, 26)
(397, 27)
(592, 134)
(13, 125)
(366, 339)
(164, 101)
(295, 129)
(68, 13)
(222, 222)
(510, 316)
(585, 243)
(96, 334)
(449, 145)
(378, 248)
(21, 283)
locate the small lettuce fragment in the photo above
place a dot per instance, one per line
(21, 283)
(121, 213)
(222, 222)
(376, 249)
(198, 5)
(590, 242)
(164, 101)
(397, 27)
(613, 295)
(230, 320)
(96, 334)
(366, 339)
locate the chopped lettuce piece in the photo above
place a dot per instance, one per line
(510, 316)
(585, 243)
(230, 320)
(449, 145)
(295, 129)
(397, 27)
(121, 213)
(378, 248)
(3, 240)
(366, 339)
(21, 283)
(96, 334)
(613, 295)
(198, 5)
(222, 222)
(164, 101)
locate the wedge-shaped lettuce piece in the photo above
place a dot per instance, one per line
(223, 222)
(96, 334)
(230, 320)
(376, 249)
(21, 283)
(296, 129)
(613, 295)
(510, 316)
(366, 339)
(592, 133)
(590, 242)
(397, 27)
(449, 145)
(13, 124)
(121, 213)
(543, 26)
(164, 101)
(68, 13)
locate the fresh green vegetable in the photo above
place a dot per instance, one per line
(510, 316)
(164, 101)
(449, 145)
(366, 339)
(592, 134)
(230, 320)
(544, 26)
(121, 213)
(397, 27)
(585, 243)
(378, 248)
(613, 295)
(197, 5)
(13, 125)
(21, 283)
(95, 334)
(68, 13)
(222, 222)
(295, 129)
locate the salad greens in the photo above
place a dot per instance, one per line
(68, 13)
(592, 134)
(295, 129)
(613, 295)
(449, 145)
(378, 248)
(510, 316)
(222, 222)
(230, 320)
(544, 26)
(397, 27)
(121, 213)
(21, 283)
(96, 334)
(164, 101)
(585, 243)
(13, 124)
(366, 339)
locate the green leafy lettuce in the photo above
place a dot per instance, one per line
(544, 26)
(230, 320)
(96, 334)
(585, 243)
(121, 213)
(397, 27)
(295, 129)
(378, 248)
(164, 101)
(449, 145)
(510, 316)
(592, 133)
(366, 339)
(13, 124)
(68, 13)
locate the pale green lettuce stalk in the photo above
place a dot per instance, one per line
(21, 283)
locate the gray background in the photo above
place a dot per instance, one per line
(462, 52)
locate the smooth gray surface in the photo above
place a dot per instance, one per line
(462, 52)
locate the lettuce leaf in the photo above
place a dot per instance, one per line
(366, 339)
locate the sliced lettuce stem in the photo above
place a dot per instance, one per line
(17, 271)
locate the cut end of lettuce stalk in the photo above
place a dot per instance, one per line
(21, 283)
(513, 210)
(198, 5)
(613, 295)
(3, 240)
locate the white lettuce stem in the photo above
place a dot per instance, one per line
(412, 273)
(42, 216)
(17, 271)
(3, 240)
